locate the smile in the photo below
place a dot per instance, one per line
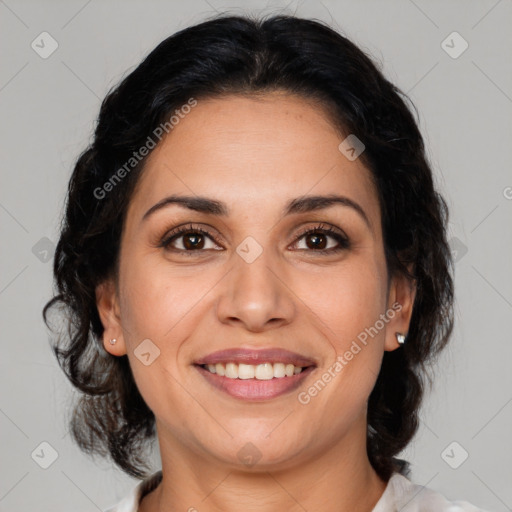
(265, 371)
(254, 383)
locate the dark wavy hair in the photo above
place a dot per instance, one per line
(247, 55)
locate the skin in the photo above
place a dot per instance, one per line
(255, 154)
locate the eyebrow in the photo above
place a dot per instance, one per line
(303, 204)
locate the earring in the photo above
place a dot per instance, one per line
(400, 338)
(112, 341)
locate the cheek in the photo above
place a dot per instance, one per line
(156, 299)
(158, 307)
(348, 299)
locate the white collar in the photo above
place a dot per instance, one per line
(400, 494)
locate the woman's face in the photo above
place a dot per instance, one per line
(255, 282)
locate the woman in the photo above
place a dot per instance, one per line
(255, 269)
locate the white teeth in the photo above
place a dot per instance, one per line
(232, 371)
(219, 368)
(279, 370)
(245, 371)
(265, 371)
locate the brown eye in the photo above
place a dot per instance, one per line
(193, 241)
(317, 240)
(188, 239)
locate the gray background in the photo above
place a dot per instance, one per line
(48, 107)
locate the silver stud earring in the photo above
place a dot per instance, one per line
(400, 338)
(113, 341)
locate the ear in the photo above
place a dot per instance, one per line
(108, 309)
(402, 292)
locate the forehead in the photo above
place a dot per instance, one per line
(249, 151)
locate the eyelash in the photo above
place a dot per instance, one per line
(342, 240)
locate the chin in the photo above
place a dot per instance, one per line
(256, 453)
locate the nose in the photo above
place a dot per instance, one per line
(256, 295)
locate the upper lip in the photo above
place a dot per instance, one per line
(254, 357)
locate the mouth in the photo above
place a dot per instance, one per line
(255, 375)
(264, 371)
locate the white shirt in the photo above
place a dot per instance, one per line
(400, 495)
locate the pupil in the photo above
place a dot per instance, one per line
(316, 238)
(195, 244)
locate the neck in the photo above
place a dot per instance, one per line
(339, 480)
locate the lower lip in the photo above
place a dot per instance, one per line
(254, 389)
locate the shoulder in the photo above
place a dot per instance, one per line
(406, 496)
(130, 503)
